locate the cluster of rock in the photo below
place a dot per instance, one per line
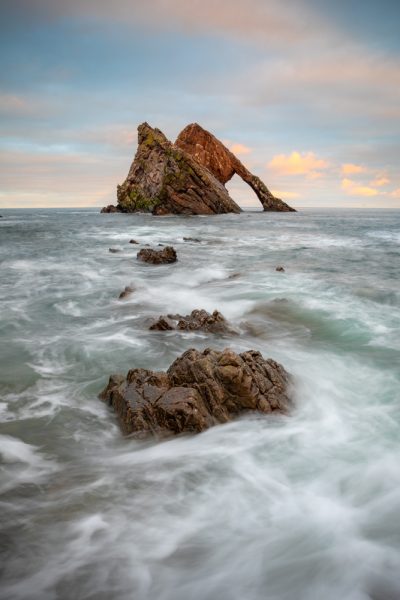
(187, 177)
(196, 321)
(198, 390)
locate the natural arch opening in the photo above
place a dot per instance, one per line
(242, 194)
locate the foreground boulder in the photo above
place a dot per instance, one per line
(164, 179)
(223, 164)
(197, 320)
(200, 389)
(157, 257)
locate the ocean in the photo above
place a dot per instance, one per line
(298, 507)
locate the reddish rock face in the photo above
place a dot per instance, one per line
(223, 164)
(199, 389)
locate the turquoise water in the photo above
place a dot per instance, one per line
(304, 507)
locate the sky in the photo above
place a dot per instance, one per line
(306, 92)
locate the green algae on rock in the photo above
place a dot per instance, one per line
(164, 179)
(187, 177)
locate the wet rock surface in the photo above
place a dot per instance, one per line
(200, 389)
(197, 320)
(280, 269)
(158, 257)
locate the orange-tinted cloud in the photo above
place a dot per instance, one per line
(379, 181)
(239, 149)
(352, 188)
(351, 169)
(285, 195)
(395, 193)
(298, 163)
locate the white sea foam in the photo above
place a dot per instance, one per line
(302, 506)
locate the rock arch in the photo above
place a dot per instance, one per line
(223, 164)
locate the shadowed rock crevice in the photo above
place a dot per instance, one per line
(200, 389)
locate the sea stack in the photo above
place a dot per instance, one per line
(187, 177)
(164, 179)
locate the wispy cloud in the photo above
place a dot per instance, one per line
(298, 163)
(239, 149)
(286, 195)
(380, 181)
(351, 169)
(352, 188)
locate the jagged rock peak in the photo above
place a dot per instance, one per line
(164, 179)
(146, 133)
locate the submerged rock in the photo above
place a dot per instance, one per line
(164, 179)
(191, 239)
(200, 389)
(216, 157)
(114, 250)
(133, 242)
(126, 292)
(280, 269)
(158, 257)
(197, 320)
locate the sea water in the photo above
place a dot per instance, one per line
(298, 507)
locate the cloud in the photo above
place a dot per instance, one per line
(352, 188)
(395, 193)
(239, 149)
(50, 179)
(247, 19)
(297, 163)
(379, 181)
(351, 169)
